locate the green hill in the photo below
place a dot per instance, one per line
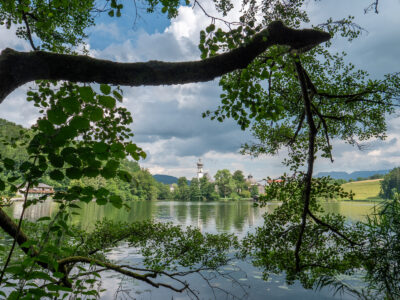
(143, 185)
(364, 190)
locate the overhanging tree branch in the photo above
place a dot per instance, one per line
(18, 68)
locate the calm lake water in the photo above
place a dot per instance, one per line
(237, 217)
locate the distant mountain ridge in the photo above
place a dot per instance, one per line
(167, 179)
(353, 175)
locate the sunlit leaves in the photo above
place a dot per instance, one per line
(56, 25)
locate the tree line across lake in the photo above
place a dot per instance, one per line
(142, 185)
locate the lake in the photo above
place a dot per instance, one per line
(237, 217)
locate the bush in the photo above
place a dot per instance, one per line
(390, 184)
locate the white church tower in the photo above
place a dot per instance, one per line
(200, 172)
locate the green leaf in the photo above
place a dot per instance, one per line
(79, 123)
(25, 166)
(105, 89)
(72, 205)
(45, 126)
(101, 201)
(71, 105)
(73, 160)
(210, 28)
(118, 96)
(9, 164)
(91, 172)
(56, 116)
(117, 150)
(117, 147)
(101, 192)
(64, 134)
(54, 288)
(39, 275)
(2, 185)
(56, 160)
(131, 149)
(67, 151)
(74, 173)
(112, 164)
(100, 147)
(86, 93)
(56, 175)
(116, 201)
(125, 176)
(13, 178)
(96, 114)
(108, 173)
(93, 163)
(107, 101)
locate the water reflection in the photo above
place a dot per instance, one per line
(34, 212)
(238, 217)
(233, 216)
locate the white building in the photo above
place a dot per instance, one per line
(200, 172)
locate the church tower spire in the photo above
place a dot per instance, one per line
(200, 172)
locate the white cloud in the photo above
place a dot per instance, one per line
(8, 39)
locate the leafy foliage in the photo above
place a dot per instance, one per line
(390, 185)
(141, 186)
(57, 24)
(87, 149)
(301, 100)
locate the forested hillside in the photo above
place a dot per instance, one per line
(142, 186)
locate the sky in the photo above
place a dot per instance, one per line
(167, 119)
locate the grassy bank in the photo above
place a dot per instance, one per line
(366, 190)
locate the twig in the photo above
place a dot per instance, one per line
(28, 29)
(333, 229)
(299, 126)
(323, 121)
(17, 233)
(213, 18)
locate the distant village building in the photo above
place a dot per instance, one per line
(200, 172)
(274, 180)
(37, 191)
(253, 182)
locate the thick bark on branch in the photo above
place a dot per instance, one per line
(18, 68)
(11, 228)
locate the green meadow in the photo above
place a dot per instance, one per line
(366, 190)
